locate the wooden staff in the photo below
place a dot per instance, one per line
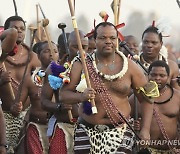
(31, 29)
(82, 53)
(115, 12)
(45, 22)
(62, 26)
(38, 23)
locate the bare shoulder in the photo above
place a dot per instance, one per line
(174, 69)
(172, 64)
(134, 68)
(28, 83)
(34, 60)
(138, 77)
(177, 93)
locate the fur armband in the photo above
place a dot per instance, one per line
(149, 91)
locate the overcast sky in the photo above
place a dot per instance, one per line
(58, 10)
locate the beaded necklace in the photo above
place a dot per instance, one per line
(146, 64)
(13, 61)
(115, 76)
(110, 66)
(17, 58)
(37, 78)
(105, 98)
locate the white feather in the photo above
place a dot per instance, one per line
(164, 26)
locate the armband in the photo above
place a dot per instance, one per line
(149, 91)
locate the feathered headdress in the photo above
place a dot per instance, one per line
(163, 26)
(105, 16)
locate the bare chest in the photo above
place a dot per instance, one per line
(120, 86)
(170, 109)
(17, 71)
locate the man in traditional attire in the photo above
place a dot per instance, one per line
(164, 131)
(62, 123)
(112, 76)
(151, 51)
(16, 64)
(9, 37)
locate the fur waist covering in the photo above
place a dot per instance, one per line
(103, 139)
(13, 128)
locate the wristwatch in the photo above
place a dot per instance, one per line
(58, 107)
(4, 145)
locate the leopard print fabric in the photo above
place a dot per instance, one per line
(105, 140)
(13, 128)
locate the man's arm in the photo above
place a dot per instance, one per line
(8, 38)
(140, 80)
(68, 92)
(175, 72)
(17, 105)
(47, 95)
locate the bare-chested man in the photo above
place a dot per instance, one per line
(164, 133)
(36, 138)
(151, 45)
(61, 128)
(15, 66)
(8, 36)
(112, 76)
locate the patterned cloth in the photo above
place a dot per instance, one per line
(13, 128)
(157, 151)
(62, 140)
(101, 139)
(37, 141)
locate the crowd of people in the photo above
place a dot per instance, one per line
(129, 103)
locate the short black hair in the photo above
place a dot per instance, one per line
(12, 18)
(38, 47)
(152, 29)
(103, 24)
(159, 63)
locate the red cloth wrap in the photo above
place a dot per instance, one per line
(58, 142)
(33, 143)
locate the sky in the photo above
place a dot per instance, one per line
(57, 11)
